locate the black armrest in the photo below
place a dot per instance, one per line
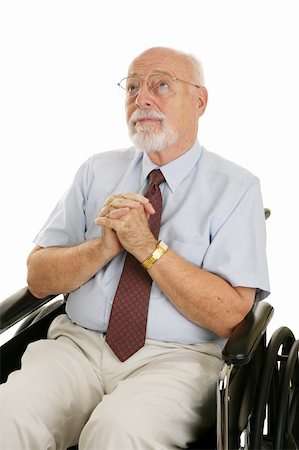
(247, 335)
(18, 306)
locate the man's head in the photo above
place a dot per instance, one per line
(165, 98)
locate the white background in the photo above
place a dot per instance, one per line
(60, 62)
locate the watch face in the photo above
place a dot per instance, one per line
(157, 253)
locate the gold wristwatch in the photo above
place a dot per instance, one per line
(157, 253)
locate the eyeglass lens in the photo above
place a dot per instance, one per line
(161, 85)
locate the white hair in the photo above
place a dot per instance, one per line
(198, 72)
(195, 63)
(147, 139)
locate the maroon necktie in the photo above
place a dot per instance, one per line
(127, 325)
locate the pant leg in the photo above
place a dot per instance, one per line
(168, 391)
(46, 404)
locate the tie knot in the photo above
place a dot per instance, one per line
(156, 177)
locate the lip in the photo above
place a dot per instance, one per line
(147, 120)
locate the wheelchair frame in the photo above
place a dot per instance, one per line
(258, 384)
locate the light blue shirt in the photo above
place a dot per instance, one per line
(212, 216)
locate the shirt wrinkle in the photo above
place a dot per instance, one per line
(211, 208)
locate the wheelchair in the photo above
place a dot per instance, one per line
(257, 389)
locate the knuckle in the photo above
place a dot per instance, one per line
(109, 199)
(103, 211)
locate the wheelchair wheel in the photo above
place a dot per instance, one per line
(285, 436)
(267, 395)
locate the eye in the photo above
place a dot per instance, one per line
(133, 87)
(162, 86)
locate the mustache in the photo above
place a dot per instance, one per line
(140, 114)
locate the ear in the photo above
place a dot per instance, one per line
(202, 100)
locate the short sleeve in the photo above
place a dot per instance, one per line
(237, 251)
(66, 224)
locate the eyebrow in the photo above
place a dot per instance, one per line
(135, 74)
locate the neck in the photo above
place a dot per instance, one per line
(171, 153)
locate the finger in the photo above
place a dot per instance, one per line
(106, 222)
(117, 213)
(117, 200)
(141, 199)
(137, 197)
(111, 198)
(149, 209)
(112, 213)
(121, 202)
(104, 211)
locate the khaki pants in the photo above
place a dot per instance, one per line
(72, 388)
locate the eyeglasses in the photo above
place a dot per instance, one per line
(161, 84)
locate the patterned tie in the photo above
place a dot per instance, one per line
(127, 325)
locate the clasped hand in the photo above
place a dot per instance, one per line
(124, 219)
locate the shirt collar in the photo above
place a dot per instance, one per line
(175, 171)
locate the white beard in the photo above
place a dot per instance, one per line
(143, 135)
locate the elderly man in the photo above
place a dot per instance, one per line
(162, 249)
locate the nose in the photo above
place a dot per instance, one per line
(144, 98)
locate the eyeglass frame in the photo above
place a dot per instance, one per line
(173, 78)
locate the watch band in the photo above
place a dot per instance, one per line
(159, 251)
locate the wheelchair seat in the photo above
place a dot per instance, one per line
(258, 383)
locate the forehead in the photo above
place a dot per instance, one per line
(170, 62)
